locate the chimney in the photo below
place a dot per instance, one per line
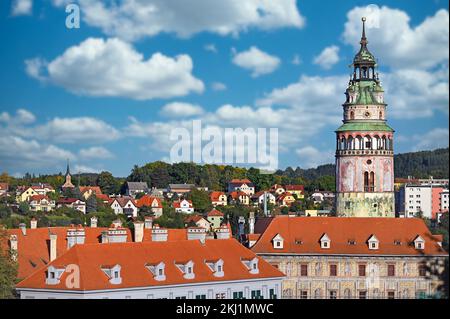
(251, 223)
(117, 223)
(196, 233)
(13, 242)
(148, 223)
(53, 238)
(138, 231)
(75, 236)
(117, 235)
(223, 232)
(94, 222)
(33, 223)
(159, 234)
(104, 237)
(23, 228)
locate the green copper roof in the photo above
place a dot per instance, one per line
(365, 126)
(365, 91)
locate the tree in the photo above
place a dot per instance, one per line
(200, 200)
(8, 269)
(108, 183)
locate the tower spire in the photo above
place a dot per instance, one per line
(363, 41)
(68, 168)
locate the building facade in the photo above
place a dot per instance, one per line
(354, 258)
(364, 145)
(188, 269)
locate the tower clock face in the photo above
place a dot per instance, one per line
(367, 114)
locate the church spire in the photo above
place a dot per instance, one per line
(364, 62)
(363, 41)
(68, 168)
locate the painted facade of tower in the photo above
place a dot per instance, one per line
(364, 145)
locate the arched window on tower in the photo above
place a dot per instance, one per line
(372, 182)
(352, 115)
(366, 181)
(381, 115)
(367, 142)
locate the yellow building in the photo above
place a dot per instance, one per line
(354, 258)
(26, 195)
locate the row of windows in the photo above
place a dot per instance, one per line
(361, 294)
(362, 270)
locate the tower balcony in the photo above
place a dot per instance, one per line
(364, 152)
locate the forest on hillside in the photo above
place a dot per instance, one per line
(215, 177)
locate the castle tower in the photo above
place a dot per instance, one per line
(364, 144)
(68, 182)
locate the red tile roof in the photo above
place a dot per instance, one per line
(38, 198)
(103, 197)
(294, 188)
(214, 196)
(132, 257)
(95, 189)
(123, 201)
(236, 194)
(147, 200)
(340, 230)
(215, 212)
(177, 204)
(33, 249)
(241, 181)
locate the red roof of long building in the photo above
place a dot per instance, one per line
(132, 257)
(302, 236)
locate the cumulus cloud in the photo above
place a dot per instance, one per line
(134, 19)
(211, 48)
(398, 44)
(310, 156)
(76, 130)
(21, 7)
(433, 139)
(111, 67)
(218, 86)
(78, 168)
(180, 109)
(328, 57)
(16, 151)
(95, 152)
(257, 61)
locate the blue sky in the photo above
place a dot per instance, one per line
(107, 95)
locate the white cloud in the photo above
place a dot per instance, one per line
(296, 60)
(180, 109)
(112, 67)
(310, 156)
(95, 152)
(328, 57)
(211, 48)
(414, 94)
(134, 19)
(21, 7)
(436, 138)
(257, 61)
(218, 86)
(78, 168)
(398, 44)
(22, 116)
(20, 152)
(76, 130)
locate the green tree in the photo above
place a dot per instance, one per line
(8, 268)
(200, 200)
(108, 183)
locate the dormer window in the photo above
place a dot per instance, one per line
(252, 265)
(373, 242)
(216, 267)
(158, 271)
(54, 275)
(419, 243)
(113, 273)
(325, 241)
(278, 242)
(187, 269)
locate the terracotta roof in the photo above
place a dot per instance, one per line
(236, 195)
(177, 204)
(294, 188)
(193, 218)
(95, 189)
(215, 212)
(132, 257)
(38, 198)
(241, 181)
(283, 196)
(214, 196)
(103, 197)
(68, 200)
(147, 200)
(33, 249)
(253, 237)
(340, 230)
